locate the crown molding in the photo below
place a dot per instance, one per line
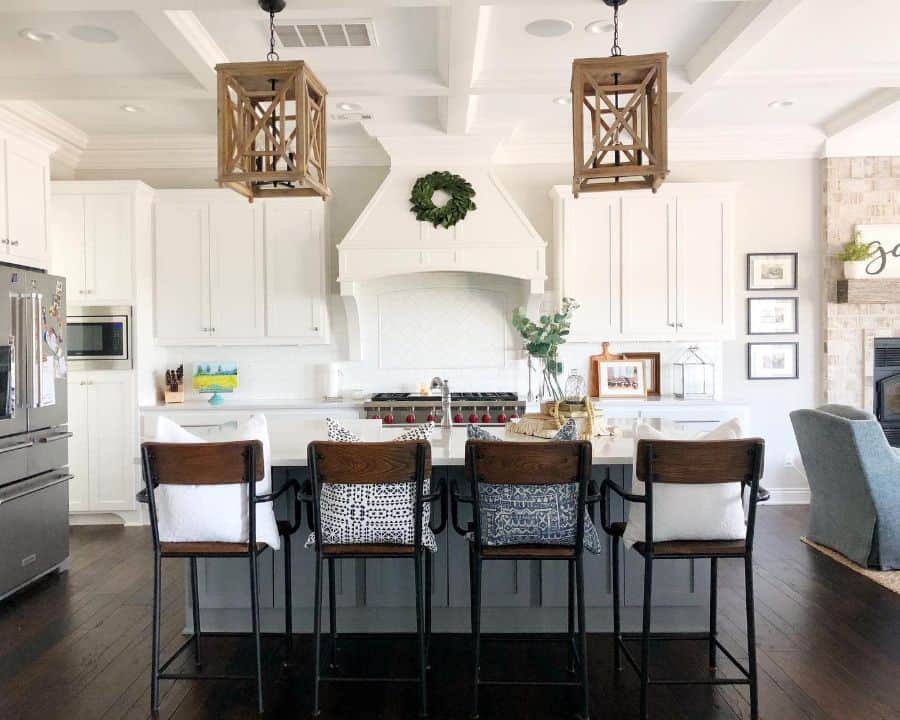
(30, 120)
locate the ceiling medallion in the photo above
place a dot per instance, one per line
(621, 100)
(271, 125)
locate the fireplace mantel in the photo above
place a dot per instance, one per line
(886, 290)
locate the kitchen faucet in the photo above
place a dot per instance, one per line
(444, 385)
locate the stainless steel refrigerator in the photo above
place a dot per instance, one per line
(34, 475)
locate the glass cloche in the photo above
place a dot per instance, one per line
(693, 376)
(576, 387)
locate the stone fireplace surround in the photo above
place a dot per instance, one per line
(858, 190)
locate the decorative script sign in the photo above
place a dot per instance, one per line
(884, 249)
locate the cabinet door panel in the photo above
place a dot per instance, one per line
(27, 179)
(112, 469)
(182, 271)
(79, 448)
(67, 244)
(703, 265)
(108, 248)
(294, 271)
(648, 264)
(236, 276)
(590, 259)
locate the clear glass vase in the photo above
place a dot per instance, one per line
(550, 388)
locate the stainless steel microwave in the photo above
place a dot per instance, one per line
(99, 337)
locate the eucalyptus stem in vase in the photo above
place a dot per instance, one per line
(542, 340)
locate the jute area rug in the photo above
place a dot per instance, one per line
(888, 578)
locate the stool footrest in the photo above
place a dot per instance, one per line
(745, 680)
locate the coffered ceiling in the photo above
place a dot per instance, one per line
(801, 76)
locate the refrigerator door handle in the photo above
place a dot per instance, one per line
(55, 438)
(11, 401)
(18, 446)
(37, 389)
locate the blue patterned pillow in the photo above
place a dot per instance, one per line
(532, 514)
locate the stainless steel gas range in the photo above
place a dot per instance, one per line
(482, 408)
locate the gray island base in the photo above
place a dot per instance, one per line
(518, 596)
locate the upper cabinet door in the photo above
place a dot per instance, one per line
(295, 275)
(236, 270)
(648, 265)
(589, 263)
(67, 244)
(182, 270)
(704, 264)
(108, 251)
(27, 188)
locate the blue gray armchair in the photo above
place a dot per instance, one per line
(854, 479)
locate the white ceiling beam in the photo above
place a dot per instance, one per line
(182, 34)
(466, 29)
(550, 82)
(878, 76)
(126, 88)
(866, 109)
(734, 38)
(32, 6)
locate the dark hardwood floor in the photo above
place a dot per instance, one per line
(77, 646)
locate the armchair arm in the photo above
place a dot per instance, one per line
(438, 492)
(305, 496)
(141, 496)
(608, 485)
(297, 512)
(594, 495)
(457, 498)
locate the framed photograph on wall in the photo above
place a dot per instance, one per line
(772, 361)
(772, 315)
(621, 378)
(771, 271)
(651, 370)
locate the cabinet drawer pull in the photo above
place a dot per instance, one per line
(17, 446)
(56, 437)
(14, 243)
(5, 241)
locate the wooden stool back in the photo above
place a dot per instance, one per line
(221, 463)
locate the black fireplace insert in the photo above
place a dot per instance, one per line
(886, 377)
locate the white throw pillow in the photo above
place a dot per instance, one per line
(215, 513)
(688, 512)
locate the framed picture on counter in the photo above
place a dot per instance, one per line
(621, 378)
(651, 370)
(772, 361)
(771, 271)
(772, 316)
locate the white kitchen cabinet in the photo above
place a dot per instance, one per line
(295, 271)
(101, 418)
(645, 266)
(24, 195)
(209, 285)
(92, 240)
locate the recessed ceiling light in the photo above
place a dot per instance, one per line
(549, 27)
(131, 108)
(599, 26)
(93, 34)
(778, 104)
(36, 35)
(348, 106)
(563, 100)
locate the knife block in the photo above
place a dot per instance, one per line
(175, 397)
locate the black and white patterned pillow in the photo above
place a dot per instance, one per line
(363, 513)
(532, 514)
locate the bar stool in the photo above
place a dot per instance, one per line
(528, 463)
(224, 463)
(695, 463)
(373, 463)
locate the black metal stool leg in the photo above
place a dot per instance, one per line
(195, 606)
(288, 605)
(429, 569)
(420, 634)
(617, 620)
(317, 633)
(254, 606)
(582, 640)
(571, 615)
(751, 637)
(332, 614)
(157, 609)
(713, 606)
(475, 589)
(645, 635)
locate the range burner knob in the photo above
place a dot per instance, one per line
(485, 418)
(514, 416)
(431, 417)
(457, 418)
(410, 418)
(376, 416)
(473, 418)
(388, 419)
(501, 418)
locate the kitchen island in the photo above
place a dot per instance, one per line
(377, 595)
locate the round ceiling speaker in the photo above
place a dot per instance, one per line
(549, 27)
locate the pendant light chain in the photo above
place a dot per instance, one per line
(272, 55)
(616, 49)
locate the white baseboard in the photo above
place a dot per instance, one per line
(129, 518)
(788, 496)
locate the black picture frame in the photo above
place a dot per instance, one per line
(750, 286)
(795, 376)
(787, 298)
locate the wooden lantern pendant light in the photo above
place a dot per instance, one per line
(622, 100)
(271, 125)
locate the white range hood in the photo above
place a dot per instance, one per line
(387, 241)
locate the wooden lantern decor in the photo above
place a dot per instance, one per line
(621, 100)
(271, 125)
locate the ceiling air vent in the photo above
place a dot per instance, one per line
(325, 33)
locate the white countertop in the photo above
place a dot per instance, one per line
(251, 405)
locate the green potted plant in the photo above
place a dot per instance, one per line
(542, 340)
(855, 257)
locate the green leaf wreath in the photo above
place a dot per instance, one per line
(459, 204)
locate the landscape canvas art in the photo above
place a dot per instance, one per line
(215, 377)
